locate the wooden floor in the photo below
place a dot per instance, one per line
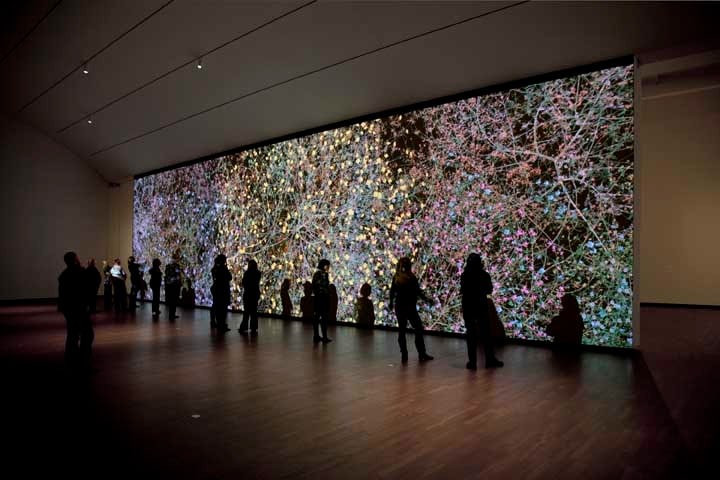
(174, 401)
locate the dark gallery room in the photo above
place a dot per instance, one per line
(360, 239)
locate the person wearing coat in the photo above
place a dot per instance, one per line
(475, 286)
(321, 291)
(251, 297)
(404, 293)
(221, 292)
(73, 288)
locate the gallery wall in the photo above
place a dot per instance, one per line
(51, 203)
(679, 181)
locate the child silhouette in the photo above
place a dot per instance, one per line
(364, 310)
(567, 327)
(307, 305)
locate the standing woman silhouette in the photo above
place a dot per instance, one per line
(404, 292)
(251, 297)
(475, 286)
(221, 292)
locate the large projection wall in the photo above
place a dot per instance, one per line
(538, 179)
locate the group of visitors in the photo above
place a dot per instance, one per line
(78, 288)
(115, 292)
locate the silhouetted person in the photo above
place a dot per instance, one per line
(475, 286)
(321, 290)
(333, 306)
(107, 286)
(94, 281)
(73, 288)
(251, 297)
(173, 280)
(567, 327)
(497, 329)
(213, 322)
(155, 283)
(221, 292)
(143, 286)
(404, 292)
(285, 298)
(307, 303)
(187, 295)
(135, 279)
(118, 276)
(364, 310)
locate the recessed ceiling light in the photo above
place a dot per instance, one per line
(89, 121)
(85, 69)
(199, 64)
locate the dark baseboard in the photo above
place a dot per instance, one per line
(28, 301)
(434, 333)
(680, 305)
(507, 341)
(32, 301)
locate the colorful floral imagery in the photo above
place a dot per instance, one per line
(538, 179)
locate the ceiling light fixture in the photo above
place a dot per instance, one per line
(89, 121)
(199, 64)
(85, 69)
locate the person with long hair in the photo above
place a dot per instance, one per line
(404, 292)
(307, 304)
(321, 289)
(567, 327)
(475, 286)
(364, 310)
(251, 297)
(221, 292)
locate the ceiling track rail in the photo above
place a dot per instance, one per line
(95, 55)
(306, 74)
(30, 32)
(179, 67)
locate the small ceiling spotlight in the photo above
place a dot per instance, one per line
(89, 120)
(199, 64)
(85, 69)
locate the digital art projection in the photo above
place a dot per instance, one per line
(538, 180)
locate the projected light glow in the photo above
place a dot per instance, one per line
(538, 179)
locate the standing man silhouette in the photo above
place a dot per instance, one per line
(73, 289)
(135, 279)
(251, 297)
(475, 286)
(95, 280)
(287, 305)
(221, 292)
(173, 280)
(155, 282)
(321, 289)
